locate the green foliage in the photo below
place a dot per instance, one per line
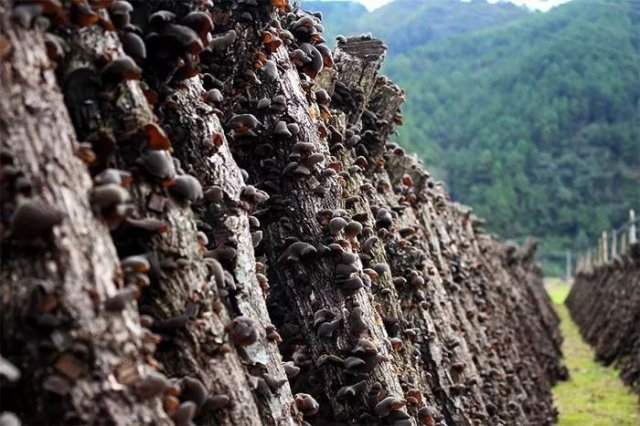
(534, 120)
(339, 15)
(404, 24)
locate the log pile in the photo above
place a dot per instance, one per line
(605, 304)
(203, 221)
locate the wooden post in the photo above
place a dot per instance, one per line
(614, 244)
(604, 249)
(632, 227)
(567, 265)
(623, 243)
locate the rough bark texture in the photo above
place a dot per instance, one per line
(316, 245)
(54, 327)
(605, 303)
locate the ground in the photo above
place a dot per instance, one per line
(594, 396)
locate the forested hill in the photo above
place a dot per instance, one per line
(406, 24)
(535, 122)
(339, 16)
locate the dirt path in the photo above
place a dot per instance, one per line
(594, 396)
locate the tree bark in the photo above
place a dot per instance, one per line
(70, 351)
(197, 348)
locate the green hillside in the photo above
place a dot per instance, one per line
(534, 122)
(339, 17)
(405, 24)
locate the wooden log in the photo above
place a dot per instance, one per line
(604, 305)
(78, 360)
(178, 299)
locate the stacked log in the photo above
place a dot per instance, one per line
(605, 304)
(203, 220)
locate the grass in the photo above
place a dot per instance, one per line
(594, 395)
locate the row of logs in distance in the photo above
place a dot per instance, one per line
(605, 304)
